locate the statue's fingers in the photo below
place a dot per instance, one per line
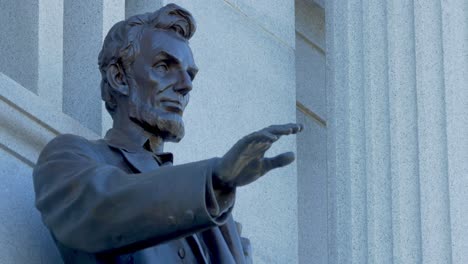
(263, 136)
(260, 148)
(285, 129)
(278, 161)
(269, 136)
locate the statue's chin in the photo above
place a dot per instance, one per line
(167, 125)
(165, 134)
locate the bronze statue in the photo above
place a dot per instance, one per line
(120, 199)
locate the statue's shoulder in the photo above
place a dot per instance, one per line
(72, 144)
(68, 140)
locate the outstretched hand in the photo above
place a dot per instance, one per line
(245, 161)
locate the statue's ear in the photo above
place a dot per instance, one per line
(117, 79)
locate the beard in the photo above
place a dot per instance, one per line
(154, 120)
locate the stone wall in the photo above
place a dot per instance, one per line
(397, 142)
(312, 143)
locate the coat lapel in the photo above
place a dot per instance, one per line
(140, 161)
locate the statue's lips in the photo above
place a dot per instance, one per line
(172, 106)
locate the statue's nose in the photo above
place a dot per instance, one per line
(184, 85)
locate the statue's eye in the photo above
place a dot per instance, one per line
(161, 67)
(178, 29)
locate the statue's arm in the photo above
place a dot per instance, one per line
(94, 207)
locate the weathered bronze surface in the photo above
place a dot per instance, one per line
(120, 199)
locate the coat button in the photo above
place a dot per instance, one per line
(181, 253)
(189, 216)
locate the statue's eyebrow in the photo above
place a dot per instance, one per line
(162, 55)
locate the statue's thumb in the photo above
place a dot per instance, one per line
(279, 161)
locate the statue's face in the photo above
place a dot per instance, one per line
(162, 74)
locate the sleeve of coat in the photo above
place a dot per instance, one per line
(95, 207)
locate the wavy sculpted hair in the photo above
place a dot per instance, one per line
(122, 43)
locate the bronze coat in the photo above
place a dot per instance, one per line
(108, 202)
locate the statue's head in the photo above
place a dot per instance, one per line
(147, 67)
